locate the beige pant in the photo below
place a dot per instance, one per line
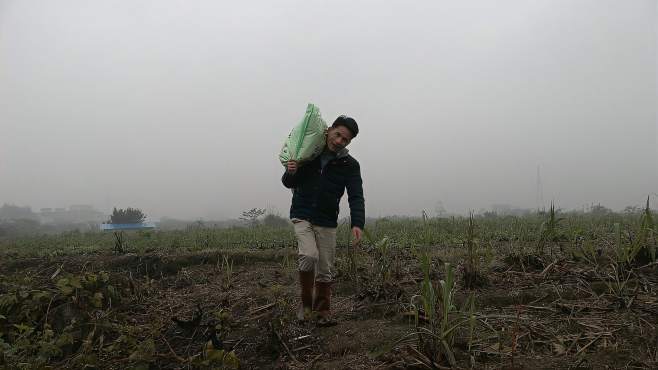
(316, 249)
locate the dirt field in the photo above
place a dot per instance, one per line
(559, 316)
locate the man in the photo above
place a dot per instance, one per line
(318, 187)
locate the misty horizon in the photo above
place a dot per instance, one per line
(180, 110)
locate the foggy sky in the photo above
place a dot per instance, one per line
(180, 108)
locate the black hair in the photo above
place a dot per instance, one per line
(347, 122)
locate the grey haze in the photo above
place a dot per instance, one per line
(180, 107)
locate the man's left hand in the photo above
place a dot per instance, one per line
(357, 233)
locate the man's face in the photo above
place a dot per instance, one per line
(338, 138)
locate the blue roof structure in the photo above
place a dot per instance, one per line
(142, 226)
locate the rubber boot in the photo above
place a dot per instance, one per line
(306, 281)
(322, 304)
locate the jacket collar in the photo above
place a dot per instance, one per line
(341, 154)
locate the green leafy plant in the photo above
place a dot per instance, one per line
(472, 275)
(383, 259)
(119, 242)
(40, 326)
(644, 244)
(549, 230)
(443, 318)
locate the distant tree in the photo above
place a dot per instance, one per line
(273, 220)
(127, 216)
(598, 209)
(251, 216)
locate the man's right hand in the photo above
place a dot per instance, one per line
(292, 167)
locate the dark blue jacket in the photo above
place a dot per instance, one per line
(317, 192)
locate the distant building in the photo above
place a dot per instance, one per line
(79, 213)
(13, 212)
(81, 207)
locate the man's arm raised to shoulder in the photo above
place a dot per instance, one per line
(289, 178)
